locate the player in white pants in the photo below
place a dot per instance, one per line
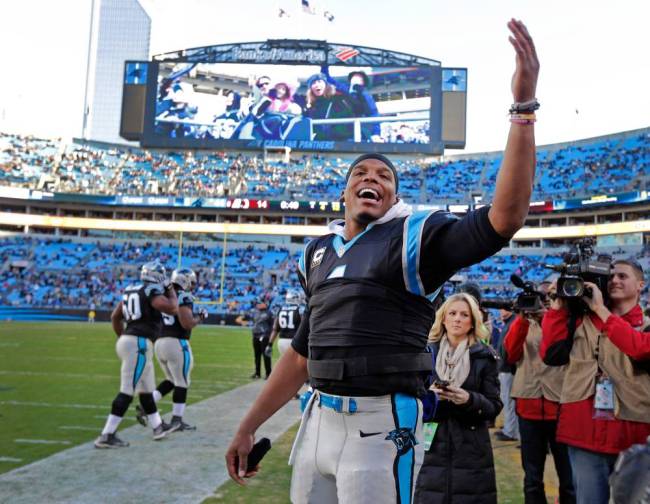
(357, 450)
(369, 285)
(173, 349)
(141, 308)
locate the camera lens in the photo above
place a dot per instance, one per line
(572, 287)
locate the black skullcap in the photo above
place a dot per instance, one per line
(380, 157)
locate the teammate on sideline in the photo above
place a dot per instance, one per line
(286, 323)
(173, 349)
(140, 308)
(363, 336)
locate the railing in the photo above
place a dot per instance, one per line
(358, 121)
(418, 115)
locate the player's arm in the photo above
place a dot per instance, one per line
(186, 318)
(167, 303)
(275, 331)
(284, 382)
(117, 318)
(515, 178)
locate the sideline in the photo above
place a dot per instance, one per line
(184, 468)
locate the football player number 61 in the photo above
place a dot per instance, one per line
(285, 319)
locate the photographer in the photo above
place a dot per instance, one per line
(536, 389)
(605, 398)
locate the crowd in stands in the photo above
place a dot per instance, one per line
(57, 273)
(61, 273)
(614, 164)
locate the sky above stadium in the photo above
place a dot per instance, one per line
(594, 80)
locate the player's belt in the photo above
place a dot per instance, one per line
(338, 369)
(337, 403)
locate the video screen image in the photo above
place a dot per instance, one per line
(288, 102)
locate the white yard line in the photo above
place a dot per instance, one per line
(41, 441)
(10, 459)
(54, 405)
(196, 459)
(54, 373)
(75, 359)
(80, 427)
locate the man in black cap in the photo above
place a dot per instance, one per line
(369, 285)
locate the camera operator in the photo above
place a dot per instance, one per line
(510, 429)
(536, 389)
(605, 398)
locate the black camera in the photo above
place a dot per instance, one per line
(529, 300)
(579, 267)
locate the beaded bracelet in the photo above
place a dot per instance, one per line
(523, 107)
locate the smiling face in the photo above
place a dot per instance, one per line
(370, 191)
(624, 284)
(458, 319)
(263, 84)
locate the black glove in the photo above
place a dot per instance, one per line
(268, 351)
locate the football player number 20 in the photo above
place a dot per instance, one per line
(285, 319)
(131, 306)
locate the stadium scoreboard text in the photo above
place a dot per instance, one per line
(301, 94)
(289, 206)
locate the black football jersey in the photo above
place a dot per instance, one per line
(370, 297)
(141, 318)
(172, 327)
(288, 320)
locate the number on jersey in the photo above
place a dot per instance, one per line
(168, 320)
(131, 306)
(285, 319)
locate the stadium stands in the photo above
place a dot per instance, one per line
(50, 272)
(55, 273)
(610, 164)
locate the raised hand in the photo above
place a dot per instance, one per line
(524, 80)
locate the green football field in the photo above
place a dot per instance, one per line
(57, 381)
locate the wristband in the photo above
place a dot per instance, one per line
(527, 106)
(523, 118)
(527, 116)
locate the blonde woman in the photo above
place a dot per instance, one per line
(458, 467)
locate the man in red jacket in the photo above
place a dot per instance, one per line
(605, 398)
(536, 389)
